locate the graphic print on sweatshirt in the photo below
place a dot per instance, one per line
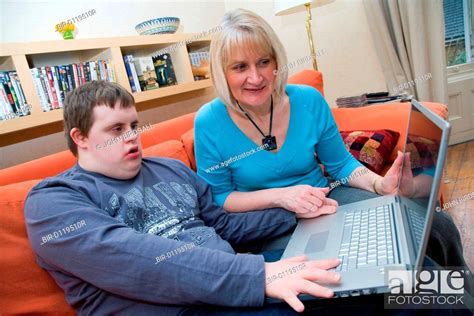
(163, 209)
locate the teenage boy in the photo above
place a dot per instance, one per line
(126, 235)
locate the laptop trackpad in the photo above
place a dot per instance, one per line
(317, 242)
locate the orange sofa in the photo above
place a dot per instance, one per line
(25, 288)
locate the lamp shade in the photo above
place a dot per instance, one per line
(284, 7)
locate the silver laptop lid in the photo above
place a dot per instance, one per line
(427, 140)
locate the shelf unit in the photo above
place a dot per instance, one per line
(24, 56)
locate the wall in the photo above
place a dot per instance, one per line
(34, 20)
(348, 60)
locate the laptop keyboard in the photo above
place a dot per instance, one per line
(417, 224)
(366, 239)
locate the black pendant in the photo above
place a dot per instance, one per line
(269, 143)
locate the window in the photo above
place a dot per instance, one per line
(459, 24)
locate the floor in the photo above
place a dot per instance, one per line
(460, 174)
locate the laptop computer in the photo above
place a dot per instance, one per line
(385, 232)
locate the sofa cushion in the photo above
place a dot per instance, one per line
(188, 142)
(371, 148)
(171, 149)
(310, 78)
(171, 129)
(25, 288)
(38, 169)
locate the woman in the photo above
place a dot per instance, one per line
(256, 143)
(255, 110)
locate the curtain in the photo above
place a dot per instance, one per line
(409, 39)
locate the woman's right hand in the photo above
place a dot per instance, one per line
(306, 201)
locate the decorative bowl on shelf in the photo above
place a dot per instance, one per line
(164, 25)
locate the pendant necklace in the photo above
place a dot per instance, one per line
(268, 141)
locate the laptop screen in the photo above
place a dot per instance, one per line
(418, 182)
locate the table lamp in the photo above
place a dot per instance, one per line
(284, 7)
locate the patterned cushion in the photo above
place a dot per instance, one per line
(371, 148)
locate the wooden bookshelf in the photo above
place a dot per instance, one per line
(22, 57)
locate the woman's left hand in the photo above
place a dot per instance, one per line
(389, 183)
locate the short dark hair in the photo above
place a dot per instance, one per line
(79, 105)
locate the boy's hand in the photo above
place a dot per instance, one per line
(285, 279)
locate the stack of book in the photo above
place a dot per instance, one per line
(370, 98)
(12, 100)
(54, 82)
(148, 73)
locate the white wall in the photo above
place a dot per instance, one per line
(34, 20)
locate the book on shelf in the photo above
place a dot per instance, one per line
(164, 70)
(12, 99)
(146, 73)
(7, 86)
(200, 64)
(132, 73)
(52, 89)
(63, 80)
(59, 91)
(45, 104)
(110, 70)
(52, 83)
(198, 57)
(46, 86)
(69, 74)
(75, 75)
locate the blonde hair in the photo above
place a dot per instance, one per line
(240, 29)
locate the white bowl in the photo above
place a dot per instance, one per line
(164, 25)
